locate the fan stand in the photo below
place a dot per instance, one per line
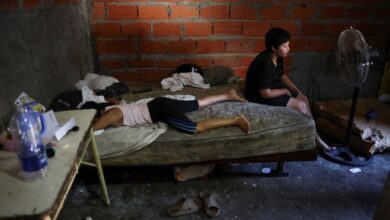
(343, 154)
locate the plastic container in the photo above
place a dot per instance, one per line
(31, 150)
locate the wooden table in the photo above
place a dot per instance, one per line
(44, 198)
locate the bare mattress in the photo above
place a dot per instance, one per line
(274, 130)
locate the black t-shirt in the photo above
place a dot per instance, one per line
(262, 74)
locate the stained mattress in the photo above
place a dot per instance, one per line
(274, 130)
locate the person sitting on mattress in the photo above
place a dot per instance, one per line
(172, 112)
(266, 82)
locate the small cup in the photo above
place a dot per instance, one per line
(7, 141)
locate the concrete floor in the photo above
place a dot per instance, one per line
(313, 190)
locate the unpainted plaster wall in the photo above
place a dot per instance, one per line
(43, 52)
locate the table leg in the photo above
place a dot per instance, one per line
(99, 167)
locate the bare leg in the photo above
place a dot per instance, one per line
(231, 95)
(302, 105)
(110, 118)
(208, 124)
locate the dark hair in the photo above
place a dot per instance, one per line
(187, 67)
(93, 105)
(275, 37)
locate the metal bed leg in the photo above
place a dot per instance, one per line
(99, 168)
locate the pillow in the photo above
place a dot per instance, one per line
(218, 75)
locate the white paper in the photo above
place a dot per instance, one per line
(55, 130)
(64, 129)
(355, 170)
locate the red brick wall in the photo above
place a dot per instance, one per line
(145, 40)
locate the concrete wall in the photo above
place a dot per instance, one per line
(44, 49)
(146, 40)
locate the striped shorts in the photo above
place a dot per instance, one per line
(172, 112)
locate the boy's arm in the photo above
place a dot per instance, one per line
(294, 90)
(272, 93)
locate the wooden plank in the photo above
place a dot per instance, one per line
(337, 111)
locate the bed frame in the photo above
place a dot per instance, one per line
(265, 145)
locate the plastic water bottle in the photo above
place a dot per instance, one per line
(31, 150)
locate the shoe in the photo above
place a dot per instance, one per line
(210, 205)
(187, 172)
(185, 206)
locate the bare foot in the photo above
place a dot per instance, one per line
(243, 123)
(234, 96)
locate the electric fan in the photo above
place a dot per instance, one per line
(354, 58)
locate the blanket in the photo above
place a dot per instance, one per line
(124, 140)
(178, 81)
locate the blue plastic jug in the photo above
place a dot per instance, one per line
(31, 151)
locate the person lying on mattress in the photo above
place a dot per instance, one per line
(266, 82)
(171, 112)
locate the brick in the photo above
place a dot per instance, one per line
(147, 75)
(215, 12)
(321, 1)
(9, 5)
(62, 2)
(30, 4)
(198, 29)
(312, 29)
(322, 29)
(210, 46)
(152, 47)
(153, 12)
(382, 13)
(231, 61)
(122, 1)
(255, 28)
(138, 63)
(260, 45)
(288, 61)
(107, 29)
(334, 29)
(113, 64)
(184, 11)
(359, 13)
(240, 71)
(98, 11)
(313, 44)
(115, 47)
(303, 12)
(168, 63)
(332, 12)
(136, 29)
(291, 27)
(230, 28)
(202, 62)
(273, 13)
(243, 46)
(122, 12)
(165, 29)
(242, 11)
(371, 29)
(247, 60)
(181, 47)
